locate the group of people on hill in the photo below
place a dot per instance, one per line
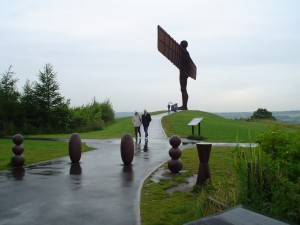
(172, 107)
(138, 121)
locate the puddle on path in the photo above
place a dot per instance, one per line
(166, 174)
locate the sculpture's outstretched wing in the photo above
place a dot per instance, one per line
(172, 50)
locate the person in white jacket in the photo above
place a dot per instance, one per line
(137, 122)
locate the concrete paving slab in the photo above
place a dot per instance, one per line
(236, 216)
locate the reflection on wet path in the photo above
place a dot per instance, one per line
(49, 168)
(127, 175)
(98, 190)
(146, 148)
(75, 176)
(18, 173)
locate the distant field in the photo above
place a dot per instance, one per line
(284, 116)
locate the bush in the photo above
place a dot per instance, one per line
(269, 175)
(91, 117)
(107, 111)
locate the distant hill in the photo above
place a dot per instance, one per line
(123, 114)
(285, 116)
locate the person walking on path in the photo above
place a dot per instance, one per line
(137, 122)
(146, 119)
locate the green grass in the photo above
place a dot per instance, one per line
(38, 151)
(213, 128)
(216, 128)
(160, 207)
(157, 206)
(113, 130)
(35, 151)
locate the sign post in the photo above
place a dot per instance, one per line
(194, 122)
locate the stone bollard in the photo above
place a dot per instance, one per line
(75, 148)
(175, 164)
(127, 149)
(203, 170)
(18, 149)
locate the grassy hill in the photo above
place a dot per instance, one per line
(215, 128)
(275, 195)
(180, 207)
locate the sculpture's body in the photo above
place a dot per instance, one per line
(180, 57)
(183, 76)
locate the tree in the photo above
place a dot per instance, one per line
(50, 105)
(107, 111)
(29, 108)
(261, 113)
(9, 101)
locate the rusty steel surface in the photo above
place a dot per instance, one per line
(173, 51)
(75, 148)
(18, 149)
(127, 149)
(203, 170)
(175, 164)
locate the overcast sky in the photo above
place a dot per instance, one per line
(247, 53)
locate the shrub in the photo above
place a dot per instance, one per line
(269, 175)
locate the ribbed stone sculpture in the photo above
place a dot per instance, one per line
(204, 150)
(18, 149)
(75, 148)
(127, 149)
(175, 164)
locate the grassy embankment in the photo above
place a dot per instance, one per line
(35, 151)
(159, 206)
(42, 150)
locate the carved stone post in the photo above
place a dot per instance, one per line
(203, 170)
(175, 164)
(75, 148)
(127, 149)
(18, 149)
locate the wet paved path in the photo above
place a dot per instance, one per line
(100, 190)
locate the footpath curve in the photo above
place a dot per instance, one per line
(99, 190)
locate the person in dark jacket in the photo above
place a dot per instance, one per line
(146, 119)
